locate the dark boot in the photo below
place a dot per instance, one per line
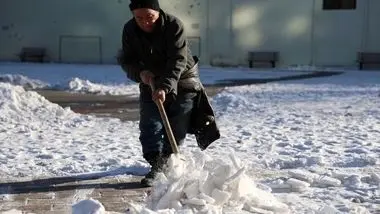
(157, 163)
(147, 181)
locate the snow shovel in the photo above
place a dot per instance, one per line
(165, 120)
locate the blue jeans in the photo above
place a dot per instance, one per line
(153, 136)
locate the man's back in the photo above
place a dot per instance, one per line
(154, 50)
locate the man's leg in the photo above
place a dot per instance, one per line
(155, 145)
(151, 128)
(179, 114)
(151, 138)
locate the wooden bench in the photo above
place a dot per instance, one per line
(372, 58)
(32, 54)
(262, 57)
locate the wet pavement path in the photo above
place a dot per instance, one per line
(127, 108)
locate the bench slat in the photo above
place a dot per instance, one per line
(262, 56)
(368, 58)
(33, 51)
(32, 54)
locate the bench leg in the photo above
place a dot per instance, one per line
(273, 64)
(250, 63)
(360, 66)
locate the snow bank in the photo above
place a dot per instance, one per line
(23, 81)
(86, 86)
(42, 139)
(18, 106)
(12, 211)
(73, 85)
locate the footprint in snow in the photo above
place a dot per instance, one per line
(283, 144)
(301, 147)
(357, 150)
(44, 156)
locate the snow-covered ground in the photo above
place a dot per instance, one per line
(302, 146)
(110, 79)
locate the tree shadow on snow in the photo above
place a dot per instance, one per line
(240, 82)
(83, 181)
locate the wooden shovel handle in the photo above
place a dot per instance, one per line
(165, 120)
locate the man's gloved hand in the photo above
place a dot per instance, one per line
(146, 77)
(159, 94)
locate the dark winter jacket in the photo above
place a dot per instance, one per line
(203, 123)
(166, 54)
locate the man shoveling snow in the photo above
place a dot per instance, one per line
(155, 54)
(155, 51)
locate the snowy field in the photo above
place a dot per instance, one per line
(304, 146)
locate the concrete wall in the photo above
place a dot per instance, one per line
(372, 30)
(192, 13)
(272, 25)
(220, 31)
(86, 30)
(337, 34)
(301, 31)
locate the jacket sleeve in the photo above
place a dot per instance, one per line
(176, 49)
(126, 58)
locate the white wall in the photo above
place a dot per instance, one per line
(44, 22)
(301, 31)
(86, 31)
(220, 31)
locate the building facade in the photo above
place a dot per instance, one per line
(221, 32)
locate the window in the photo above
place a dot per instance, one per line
(339, 4)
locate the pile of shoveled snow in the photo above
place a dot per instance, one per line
(43, 139)
(199, 184)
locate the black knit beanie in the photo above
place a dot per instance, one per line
(151, 4)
